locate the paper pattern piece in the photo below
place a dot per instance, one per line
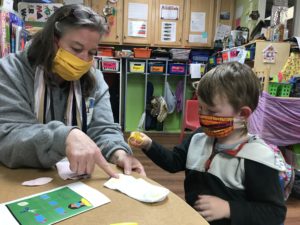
(168, 31)
(138, 11)
(137, 28)
(138, 189)
(169, 12)
(38, 181)
(198, 21)
(52, 206)
(65, 173)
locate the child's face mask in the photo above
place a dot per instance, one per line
(219, 127)
(69, 66)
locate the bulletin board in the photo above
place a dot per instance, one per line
(283, 51)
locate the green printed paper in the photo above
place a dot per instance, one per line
(49, 208)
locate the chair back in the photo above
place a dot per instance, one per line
(190, 117)
(192, 112)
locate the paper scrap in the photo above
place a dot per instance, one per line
(137, 188)
(65, 173)
(38, 181)
(124, 223)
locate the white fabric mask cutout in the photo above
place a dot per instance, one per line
(137, 188)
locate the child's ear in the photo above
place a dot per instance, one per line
(245, 112)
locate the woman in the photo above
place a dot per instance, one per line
(54, 104)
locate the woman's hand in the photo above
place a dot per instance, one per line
(212, 208)
(127, 162)
(83, 154)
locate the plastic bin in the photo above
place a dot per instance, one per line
(199, 56)
(284, 90)
(177, 68)
(137, 67)
(156, 67)
(180, 54)
(144, 53)
(110, 65)
(280, 89)
(273, 88)
(106, 51)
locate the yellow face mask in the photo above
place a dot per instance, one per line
(69, 66)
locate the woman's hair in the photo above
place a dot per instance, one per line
(235, 81)
(41, 51)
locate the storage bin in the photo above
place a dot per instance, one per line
(144, 53)
(177, 68)
(273, 88)
(110, 65)
(106, 51)
(180, 54)
(280, 89)
(137, 67)
(284, 89)
(199, 56)
(156, 67)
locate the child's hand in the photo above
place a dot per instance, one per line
(212, 208)
(139, 140)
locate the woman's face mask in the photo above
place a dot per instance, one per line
(69, 66)
(219, 127)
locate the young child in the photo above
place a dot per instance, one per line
(232, 177)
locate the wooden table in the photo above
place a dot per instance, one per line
(171, 211)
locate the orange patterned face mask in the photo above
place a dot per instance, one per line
(216, 126)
